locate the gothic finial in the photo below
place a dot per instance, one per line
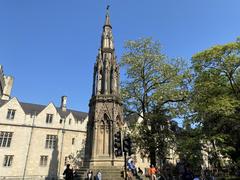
(107, 21)
(99, 53)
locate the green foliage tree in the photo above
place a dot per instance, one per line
(190, 146)
(155, 89)
(216, 98)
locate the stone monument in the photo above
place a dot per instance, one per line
(105, 107)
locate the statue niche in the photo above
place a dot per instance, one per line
(103, 136)
(115, 77)
(111, 81)
(99, 82)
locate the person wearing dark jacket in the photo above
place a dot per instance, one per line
(68, 173)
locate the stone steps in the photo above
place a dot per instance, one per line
(108, 173)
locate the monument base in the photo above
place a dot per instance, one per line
(110, 169)
(102, 162)
(108, 172)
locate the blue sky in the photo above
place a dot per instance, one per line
(50, 46)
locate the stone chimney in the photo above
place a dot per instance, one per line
(64, 103)
(6, 83)
(7, 88)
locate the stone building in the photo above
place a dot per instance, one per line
(36, 141)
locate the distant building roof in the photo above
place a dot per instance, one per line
(132, 119)
(30, 108)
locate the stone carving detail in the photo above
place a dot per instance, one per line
(99, 86)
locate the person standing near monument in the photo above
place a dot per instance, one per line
(68, 173)
(152, 172)
(89, 175)
(98, 176)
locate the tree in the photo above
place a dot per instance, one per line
(190, 146)
(155, 89)
(216, 98)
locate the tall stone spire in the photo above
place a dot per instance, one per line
(107, 37)
(105, 107)
(106, 71)
(107, 20)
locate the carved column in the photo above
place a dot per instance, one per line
(94, 82)
(105, 76)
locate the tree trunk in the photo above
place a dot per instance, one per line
(153, 156)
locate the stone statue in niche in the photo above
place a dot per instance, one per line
(99, 87)
(115, 79)
(107, 128)
(110, 40)
(112, 80)
(102, 127)
(107, 63)
(106, 40)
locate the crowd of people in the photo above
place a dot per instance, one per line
(155, 173)
(69, 174)
(90, 175)
(183, 171)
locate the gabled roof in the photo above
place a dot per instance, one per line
(132, 119)
(30, 108)
(77, 114)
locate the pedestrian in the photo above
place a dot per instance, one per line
(132, 167)
(129, 161)
(152, 172)
(98, 176)
(68, 173)
(89, 174)
(129, 174)
(140, 171)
